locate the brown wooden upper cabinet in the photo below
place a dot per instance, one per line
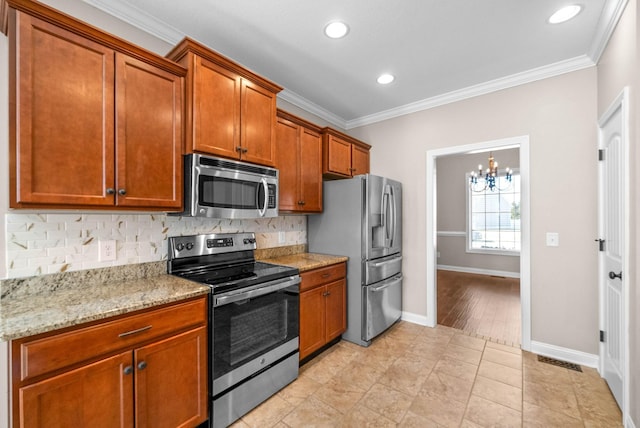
(299, 160)
(231, 112)
(95, 122)
(343, 155)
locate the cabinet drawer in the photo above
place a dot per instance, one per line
(44, 355)
(321, 276)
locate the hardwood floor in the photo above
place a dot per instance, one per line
(485, 305)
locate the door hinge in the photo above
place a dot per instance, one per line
(601, 336)
(600, 154)
(600, 244)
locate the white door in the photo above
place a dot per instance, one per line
(612, 230)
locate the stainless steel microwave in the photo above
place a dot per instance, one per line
(222, 188)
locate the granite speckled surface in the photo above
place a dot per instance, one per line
(306, 261)
(45, 303)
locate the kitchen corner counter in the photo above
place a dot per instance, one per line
(30, 306)
(306, 261)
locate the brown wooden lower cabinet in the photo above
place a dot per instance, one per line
(323, 299)
(155, 379)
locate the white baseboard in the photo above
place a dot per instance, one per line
(415, 319)
(628, 422)
(480, 271)
(565, 354)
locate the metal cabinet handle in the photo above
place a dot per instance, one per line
(614, 275)
(111, 191)
(326, 275)
(128, 370)
(245, 150)
(136, 331)
(122, 192)
(239, 149)
(142, 365)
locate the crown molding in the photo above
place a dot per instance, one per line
(139, 18)
(544, 72)
(609, 18)
(305, 104)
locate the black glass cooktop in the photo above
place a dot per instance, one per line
(240, 275)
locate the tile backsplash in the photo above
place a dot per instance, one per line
(48, 243)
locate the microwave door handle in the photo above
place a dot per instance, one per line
(265, 189)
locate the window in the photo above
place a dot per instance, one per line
(493, 224)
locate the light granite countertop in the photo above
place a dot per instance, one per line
(30, 306)
(41, 304)
(306, 261)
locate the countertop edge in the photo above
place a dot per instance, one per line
(25, 322)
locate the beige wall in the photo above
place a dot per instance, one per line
(619, 66)
(451, 193)
(559, 115)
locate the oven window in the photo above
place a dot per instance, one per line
(221, 192)
(244, 330)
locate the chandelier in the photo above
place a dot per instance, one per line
(489, 179)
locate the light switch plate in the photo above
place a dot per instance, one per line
(553, 239)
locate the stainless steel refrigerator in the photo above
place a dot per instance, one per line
(362, 219)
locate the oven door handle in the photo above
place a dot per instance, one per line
(256, 292)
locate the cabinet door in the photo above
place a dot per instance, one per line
(149, 135)
(171, 381)
(312, 320)
(63, 113)
(338, 157)
(258, 124)
(359, 160)
(336, 301)
(311, 170)
(96, 395)
(216, 110)
(287, 162)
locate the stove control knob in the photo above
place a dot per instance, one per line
(180, 246)
(189, 246)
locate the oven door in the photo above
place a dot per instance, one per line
(252, 329)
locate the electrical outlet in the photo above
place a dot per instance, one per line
(107, 251)
(281, 237)
(553, 239)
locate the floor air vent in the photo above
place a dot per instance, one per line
(559, 363)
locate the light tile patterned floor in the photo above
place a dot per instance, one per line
(414, 376)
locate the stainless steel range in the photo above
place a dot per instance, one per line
(253, 319)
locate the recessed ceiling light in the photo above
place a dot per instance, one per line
(565, 14)
(385, 79)
(336, 29)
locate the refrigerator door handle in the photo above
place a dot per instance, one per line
(386, 262)
(392, 225)
(388, 283)
(387, 215)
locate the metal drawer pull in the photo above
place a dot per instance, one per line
(142, 365)
(326, 275)
(386, 262)
(128, 370)
(139, 330)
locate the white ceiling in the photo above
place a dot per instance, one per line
(439, 50)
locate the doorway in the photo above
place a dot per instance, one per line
(522, 143)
